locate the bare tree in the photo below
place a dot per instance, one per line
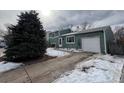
(86, 25)
(66, 26)
(119, 35)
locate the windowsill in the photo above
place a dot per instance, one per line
(70, 43)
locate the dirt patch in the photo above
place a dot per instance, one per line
(34, 61)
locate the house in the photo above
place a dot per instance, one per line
(91, 40)
(54, 37)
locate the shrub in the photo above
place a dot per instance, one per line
(26, 39)
(116, 49)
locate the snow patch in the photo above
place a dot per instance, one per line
(103, 69)
(6, 66)
(53, 52)
(71, 49)
(2, 52)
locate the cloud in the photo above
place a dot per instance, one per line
(74, 17)
(116, 17)
(8, 17)
(63, 18)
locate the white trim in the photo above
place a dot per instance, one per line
(70, 42)
(105, 42)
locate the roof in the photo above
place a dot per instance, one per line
(61, 30)
(98, 29)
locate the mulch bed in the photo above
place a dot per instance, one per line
(33, 61)
(40, 59)
(1, 58)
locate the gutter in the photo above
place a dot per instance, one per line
(105, 46)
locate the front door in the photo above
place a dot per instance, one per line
(60, 42)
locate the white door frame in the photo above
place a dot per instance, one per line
(60, 45)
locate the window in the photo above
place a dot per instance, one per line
(70, 39)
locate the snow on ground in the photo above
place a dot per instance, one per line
(6, 66)
(53, 52)
(100, 69)
(71, 49)
(1, 52)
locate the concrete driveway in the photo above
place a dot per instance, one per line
(43, 72)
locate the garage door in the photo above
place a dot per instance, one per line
(91, 44)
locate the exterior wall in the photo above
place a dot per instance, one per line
(53, 41)
(58, 33)
(77, 45)
(68, 45)
(53, 36)
(65, 31)
(78, 38)
(109, 37)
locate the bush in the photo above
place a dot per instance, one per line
(116, 49)
(26, 39)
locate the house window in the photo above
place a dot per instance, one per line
(70, 40)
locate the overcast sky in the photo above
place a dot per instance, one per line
(67, 17)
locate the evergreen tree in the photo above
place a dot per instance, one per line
(26, 39)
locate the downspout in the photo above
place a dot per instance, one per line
(105, 46)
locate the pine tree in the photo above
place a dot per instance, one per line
(26, 39)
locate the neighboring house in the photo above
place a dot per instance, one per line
(91, 40)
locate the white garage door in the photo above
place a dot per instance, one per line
(91, 44)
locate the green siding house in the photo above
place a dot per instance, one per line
(91, 40)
